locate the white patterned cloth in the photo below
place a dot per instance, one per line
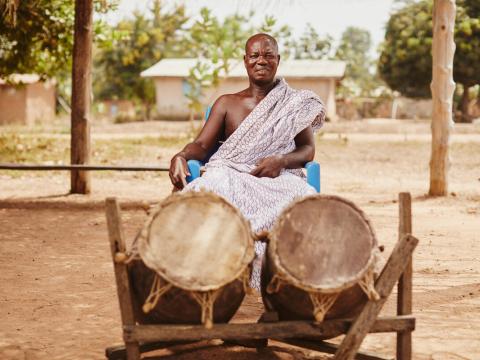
(270, 129)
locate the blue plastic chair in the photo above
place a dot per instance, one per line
(312, 167)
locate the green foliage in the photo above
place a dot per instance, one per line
(467, 53)
(132, 46)
(39, 40)
(406, 63)
(472, 7)
(311, 45)
(283, 35)
(354, 48)
(37, 36)
(213, 43)
(16, 148)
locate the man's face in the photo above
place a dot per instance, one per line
(261, 60)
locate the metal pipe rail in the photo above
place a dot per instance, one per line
(81, 167)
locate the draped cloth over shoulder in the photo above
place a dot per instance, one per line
(270, 129)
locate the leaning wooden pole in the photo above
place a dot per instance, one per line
(81, 93)
(442, 87)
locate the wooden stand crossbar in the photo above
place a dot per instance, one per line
(143, 338)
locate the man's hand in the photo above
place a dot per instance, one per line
(269, 167)
(178, 171)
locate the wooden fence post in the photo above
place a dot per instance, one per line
(81, 93)
(442, 87)
(404, 297)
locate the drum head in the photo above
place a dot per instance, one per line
(197, 241)
(322, 243)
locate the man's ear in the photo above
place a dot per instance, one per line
(278, 59)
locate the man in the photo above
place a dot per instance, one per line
(266, 136)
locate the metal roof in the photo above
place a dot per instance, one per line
(288, 68)
(20, 79)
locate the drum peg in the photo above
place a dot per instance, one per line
(120, 257)
(147, 307)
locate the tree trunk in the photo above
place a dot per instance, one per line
(81, 93)
(148, 113)
(442, 87)
(464, 104)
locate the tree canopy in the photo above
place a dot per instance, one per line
(37, 36)
(405, 61)
(311, 45)
(134, 45)
(354, 48)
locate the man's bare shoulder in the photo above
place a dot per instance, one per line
(227, 99)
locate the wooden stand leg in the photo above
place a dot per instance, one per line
(404, 301)
(384, 285)
(117, 245)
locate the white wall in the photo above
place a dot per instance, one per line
(171, 103)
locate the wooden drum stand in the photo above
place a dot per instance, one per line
(144, 338)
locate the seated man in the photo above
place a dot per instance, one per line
(266, 133)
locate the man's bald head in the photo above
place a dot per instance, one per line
(261, 37)
(261, 58)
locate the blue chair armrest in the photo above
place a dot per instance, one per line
(194, 169)
(313, 174)
(195, 165)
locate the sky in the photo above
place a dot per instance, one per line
(327, 16)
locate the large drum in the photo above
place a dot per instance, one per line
(320, 260)
(193, 261)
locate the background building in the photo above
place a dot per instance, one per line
(169, 75)
(26, 100)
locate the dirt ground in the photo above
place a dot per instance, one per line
(58, 297)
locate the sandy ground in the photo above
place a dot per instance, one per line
(58, 297)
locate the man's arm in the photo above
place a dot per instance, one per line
(303, 153)
(200, 148)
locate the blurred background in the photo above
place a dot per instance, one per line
(169, 60)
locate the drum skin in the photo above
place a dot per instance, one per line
(177, 306)
(319, 245)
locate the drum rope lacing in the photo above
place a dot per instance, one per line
(276, 283)
(156, 292)
(206, 299)
(133, 254)
(367, 283)
(321, 304)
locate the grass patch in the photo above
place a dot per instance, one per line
(52, 150)
(38, 150)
